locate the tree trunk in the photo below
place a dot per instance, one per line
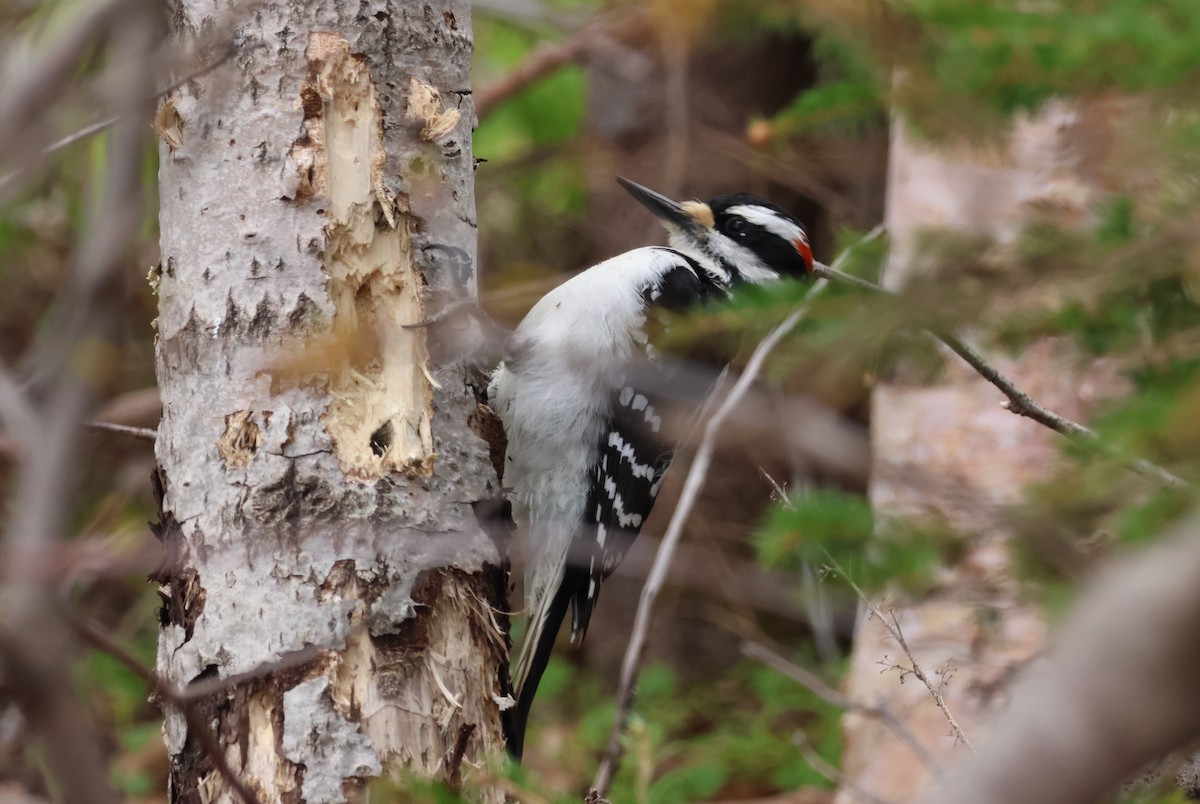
(318, 466)
(947, 450)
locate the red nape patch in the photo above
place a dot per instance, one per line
(802, 246)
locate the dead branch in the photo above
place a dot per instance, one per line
(546, 59)
(894, 630)
(658, 572)
(1019, 402)
(185, 701)
(16, 414)
(832, 774)
(45, 79)
(454, 763)
(93, 129)
(143, 433)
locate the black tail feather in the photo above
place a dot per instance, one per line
(517, 718)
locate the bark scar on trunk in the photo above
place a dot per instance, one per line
(379, 417)
(241, 439)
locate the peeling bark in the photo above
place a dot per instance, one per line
(318, 467)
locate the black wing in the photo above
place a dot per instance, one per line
(633, 455)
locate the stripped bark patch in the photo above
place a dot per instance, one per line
(425, 105)
(407, 688)
(383, 387)
(240, 441)
(168, 123)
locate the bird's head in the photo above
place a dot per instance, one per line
(737, 238)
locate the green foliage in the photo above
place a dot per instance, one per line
(547, 113)
(832, 529)
(1124, 288)
(694, 740)
(1015, 56)
(1149, 518)
(840, 102)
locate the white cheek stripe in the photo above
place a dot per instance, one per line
(751, 268)
(770, 220)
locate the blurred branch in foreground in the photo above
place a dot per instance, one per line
(46, 415)
(100, 126)
(184, 700)
(692, 487)
(1117, 690)
(604, 31)
(691, 490)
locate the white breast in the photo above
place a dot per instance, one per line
(569, 353)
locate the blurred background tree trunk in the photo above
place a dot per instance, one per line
(946, 450)
(317, 461)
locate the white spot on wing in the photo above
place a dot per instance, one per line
(627, 453)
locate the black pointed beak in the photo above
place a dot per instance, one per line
(671, 212)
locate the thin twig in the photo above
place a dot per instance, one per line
(44, 81)
(662, 562)
(687, 500)
(893, 628)
(454, 763)
(829, 695)
(546, 59)
(199, 690)
(144, 433)
(99, 126)
(184, 701)
(817, 763)
(1020, 402)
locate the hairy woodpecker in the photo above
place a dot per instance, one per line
(585, 455)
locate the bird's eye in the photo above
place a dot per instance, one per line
(735, 226)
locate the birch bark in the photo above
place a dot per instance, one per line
(317, 461)
(947, 450)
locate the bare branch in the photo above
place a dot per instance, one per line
(893, 628)
(143, 433)
(44, 79)
(1019, 402)
(454, 763)
(184, 701)
(662, 562)
(93, 129)
(546, 59)
(687, 500)
(829, 695)
(16, 414)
